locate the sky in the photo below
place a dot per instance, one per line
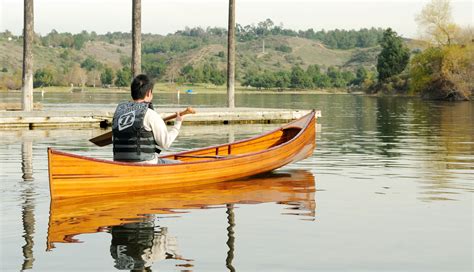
(168, 16)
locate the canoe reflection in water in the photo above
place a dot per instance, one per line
(129, 218)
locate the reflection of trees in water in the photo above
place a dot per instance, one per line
(27, 212)
(349, 125)
(391, 118)
(449, 147)
(436, 134)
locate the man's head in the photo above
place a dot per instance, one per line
(142, 88)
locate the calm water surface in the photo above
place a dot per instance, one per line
(389, 187)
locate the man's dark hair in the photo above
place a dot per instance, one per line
(140, 85)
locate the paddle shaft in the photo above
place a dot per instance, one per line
(106, 138)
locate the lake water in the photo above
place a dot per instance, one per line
(389, 187)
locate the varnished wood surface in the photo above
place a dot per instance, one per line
(73, 176)
(73, 216)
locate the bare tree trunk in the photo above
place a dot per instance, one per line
(136, 37)
(27, 75)
(231, 56)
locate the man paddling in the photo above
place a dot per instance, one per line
(137, 129)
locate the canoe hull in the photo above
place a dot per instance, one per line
(73, 175)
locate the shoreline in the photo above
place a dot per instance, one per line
(174, 88)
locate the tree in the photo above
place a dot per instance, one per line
(123, 77)
(91, 64)
(299, 78)
(337, 77)
(361, 76)
(394, 56)
(443, 72)
(43, 77)
(282, 79)
(153, 65)
(79, 41)
(435, 21)
(107, 76)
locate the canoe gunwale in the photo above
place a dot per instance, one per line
(308, 118)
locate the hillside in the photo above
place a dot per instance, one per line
(250, 55)
(194, 55)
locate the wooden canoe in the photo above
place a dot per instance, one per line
(73, 175)
(74, 216)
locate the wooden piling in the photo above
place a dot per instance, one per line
(136, 37)
(27, 75)
(231, 56)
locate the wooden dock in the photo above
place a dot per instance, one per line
(103, 118)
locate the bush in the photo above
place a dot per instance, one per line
(443, 72)
(123, 77)
(107, 76)
(43, 78)
(283, 48)
(91, 64)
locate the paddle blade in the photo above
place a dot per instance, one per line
(103, 139)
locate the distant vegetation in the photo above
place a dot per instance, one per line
(195, 55)
(443, 71)
(440, 66)
(336, 39)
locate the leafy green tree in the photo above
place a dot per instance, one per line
(299, 78)
(268, 80)
(348, 77)
(78, 41)
(154, 65)
(394, 56)
(282, 79)
(361, 76)
(123, 77)
(196, 76)
(313, 71)
(217, 77)
(319, 79)
(43, 77)
(91, 64)
(337, 78)
(438, 67)
(107, 76)
(322, 81)
(186, 72)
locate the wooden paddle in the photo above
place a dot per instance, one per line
(106, 138)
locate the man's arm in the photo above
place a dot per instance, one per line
(163, 137)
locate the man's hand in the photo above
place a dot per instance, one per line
(179, 118)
